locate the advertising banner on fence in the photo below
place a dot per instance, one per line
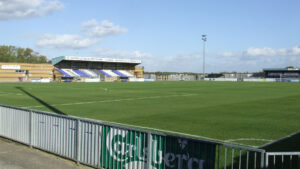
(126, 149)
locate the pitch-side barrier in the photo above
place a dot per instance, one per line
(253, 80)
(241, 79)
(286, 160)
(106, 145)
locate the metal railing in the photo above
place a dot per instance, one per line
(284, 160)
(105, 145)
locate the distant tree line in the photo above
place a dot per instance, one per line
(20, 55)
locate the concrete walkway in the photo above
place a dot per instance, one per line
(17, 156)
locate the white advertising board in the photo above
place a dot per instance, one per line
(14, 67)
(40, 80)
(92, 80)
(136, 79)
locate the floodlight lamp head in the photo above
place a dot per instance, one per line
(204, 37)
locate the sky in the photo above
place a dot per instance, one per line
(243, 36)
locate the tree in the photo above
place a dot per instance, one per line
(21, 55)
(290, 67)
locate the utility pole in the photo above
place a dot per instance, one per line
(204, 40)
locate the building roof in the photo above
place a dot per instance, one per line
(281, 69)
(94, 59)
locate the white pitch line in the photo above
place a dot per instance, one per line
(180, 133)
(248, 139)
(10, 93)
(167, 131)
(115, 100)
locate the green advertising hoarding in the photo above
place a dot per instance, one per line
(127, 149)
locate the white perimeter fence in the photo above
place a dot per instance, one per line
(284, 160)
(104, 145)
(242, 79)
(253, 79)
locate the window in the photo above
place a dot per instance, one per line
(20, 71)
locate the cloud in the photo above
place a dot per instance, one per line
(260, 52)
(265, 52)
(121, 54)
(95, 29)
(178, 63)
(65, 41)
(295, 51)
(249, 60)
(19, 9)
(255, 59)
(150, 62)
(182, 63)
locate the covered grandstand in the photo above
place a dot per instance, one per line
(73, 68)
(293, 73)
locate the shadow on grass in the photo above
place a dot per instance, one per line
(286, 144)
(290, 143)
(240, 159)
(41, 101)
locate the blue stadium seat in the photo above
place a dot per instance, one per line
(119, 73)
(64, 73)
(81, 73)
(106, 74)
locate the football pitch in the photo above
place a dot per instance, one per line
(246, 113)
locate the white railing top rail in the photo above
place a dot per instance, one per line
(282, 153)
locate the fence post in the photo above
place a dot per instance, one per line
(298, 161)
(267, 160)
(77, 140)
(149, 151)
(30, 128)
(262, 163)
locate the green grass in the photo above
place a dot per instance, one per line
(220, 110)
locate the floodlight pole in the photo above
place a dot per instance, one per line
(204, 40)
